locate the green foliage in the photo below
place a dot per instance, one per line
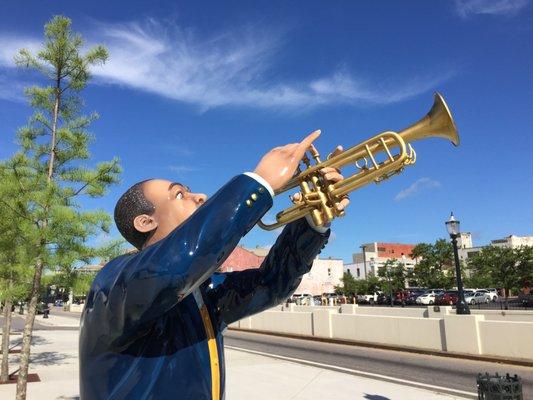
(435, 265)
(503, 267)
(15, 257)
(393, 276)
(352, 286)
(82, 284)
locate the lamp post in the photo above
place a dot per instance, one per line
(389, 281)
(452, 225)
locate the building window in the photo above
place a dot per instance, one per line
(329, 271)
(382, 249)
(350, 272)
(358, 272)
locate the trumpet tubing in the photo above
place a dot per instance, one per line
(320, 198)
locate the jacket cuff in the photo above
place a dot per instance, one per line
(319, 229)
(262, 181)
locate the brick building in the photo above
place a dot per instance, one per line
(374, 255)
(241, 259)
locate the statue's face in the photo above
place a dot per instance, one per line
(173, 203)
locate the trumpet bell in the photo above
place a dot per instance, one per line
(438, 122)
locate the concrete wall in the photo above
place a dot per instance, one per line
(462, 333)
(76, 307)
(431, 328)
(294, 323)
(393, 311)
(507, 339)
(505, 315)
(420, 312)
(297, 308)
(421, 333)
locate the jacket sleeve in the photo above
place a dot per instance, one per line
(157, 278)
(236, 295)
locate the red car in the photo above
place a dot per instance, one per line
(448, 298)
(401, 296)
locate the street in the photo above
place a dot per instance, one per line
(448, 372)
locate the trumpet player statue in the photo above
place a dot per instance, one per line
(153, 320)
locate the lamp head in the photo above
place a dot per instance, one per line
(452, 225)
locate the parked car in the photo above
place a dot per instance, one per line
(436, 292)
(449, 297)
(426, 298)
(489, 294)
(303, 299)
(384, 299)
(413, 294)
(476, 298)
(367, 298)
(401, 296)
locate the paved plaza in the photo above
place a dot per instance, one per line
(249, 376)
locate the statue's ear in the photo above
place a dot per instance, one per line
(144, 223)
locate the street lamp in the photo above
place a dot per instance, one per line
(452, 225)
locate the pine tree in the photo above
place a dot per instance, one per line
(50, 165)
(14, 272)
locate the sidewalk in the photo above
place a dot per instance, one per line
(249, 376)
(55, 320)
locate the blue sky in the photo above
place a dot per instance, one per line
(199, 91)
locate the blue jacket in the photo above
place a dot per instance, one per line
(153, 321)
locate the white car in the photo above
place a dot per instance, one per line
(491, 294)
(368, 298)
(426, 298)
(476, 298)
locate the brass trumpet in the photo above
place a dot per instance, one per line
(374, 161)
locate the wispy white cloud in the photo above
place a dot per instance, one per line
(11, 89)
(181, 170)
(416, 187)
(11, 86)
(181, 150)
(466, 8)
(230, 69)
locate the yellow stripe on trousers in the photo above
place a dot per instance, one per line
(213, 354)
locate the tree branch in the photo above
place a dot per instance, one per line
(92, 180)
(18, 213)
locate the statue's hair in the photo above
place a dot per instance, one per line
(131, 204)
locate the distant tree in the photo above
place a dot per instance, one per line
(477, 278)
(503, 267)
(348, 286)
(49, 166)
(352, 286)
(434, 266)
(373, 284)
(525, 265)
(393, 275)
